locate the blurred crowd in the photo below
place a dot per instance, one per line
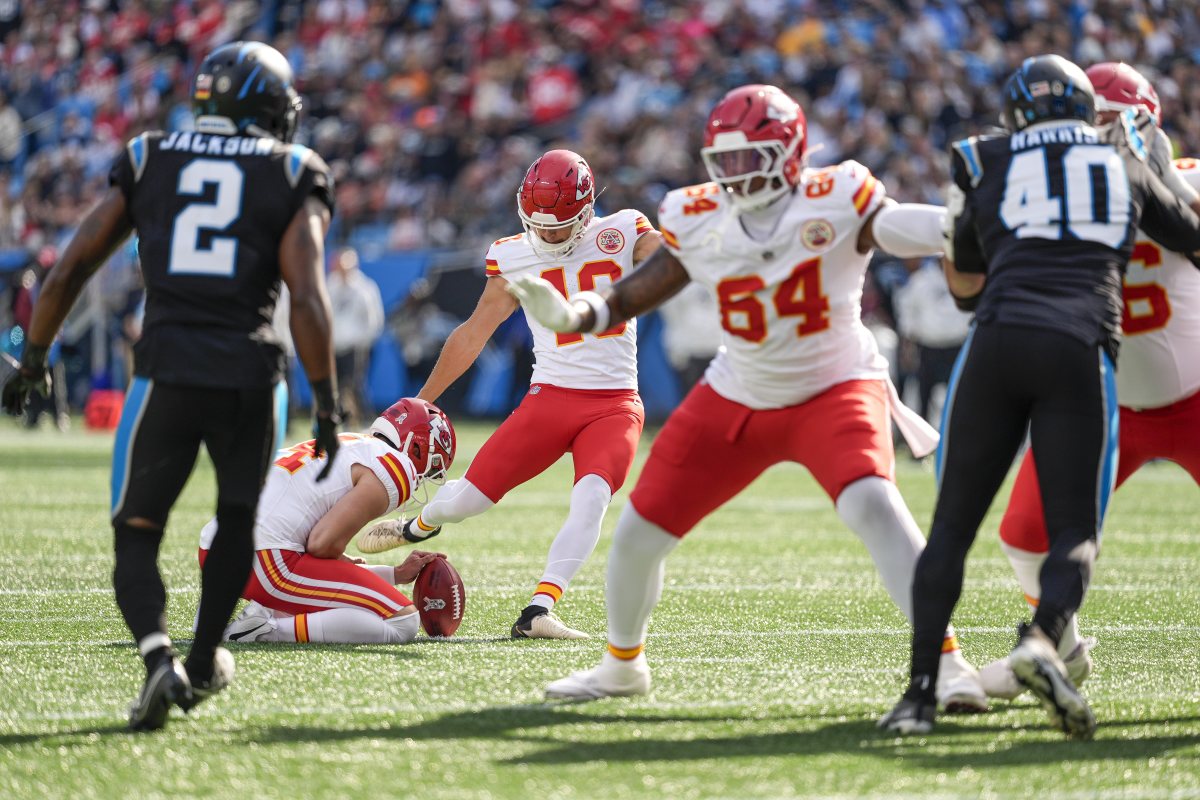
(430, 111)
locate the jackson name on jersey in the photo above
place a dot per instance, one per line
(791, 305)
(292, 501)
(1160, 356)
(605, 360)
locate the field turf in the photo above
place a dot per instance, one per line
(774, 650)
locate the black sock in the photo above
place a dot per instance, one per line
(1064, 579)
(937, 584)
(141, 595)
(226, 569)
(156, 657)
(922, 688)
(529, 612)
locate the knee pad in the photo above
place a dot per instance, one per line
(402, 628)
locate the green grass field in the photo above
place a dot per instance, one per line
(774, 650)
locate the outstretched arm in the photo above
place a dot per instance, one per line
(463, 345)
(906, 230)
(105, 227)
(659, 279)
(302, 262)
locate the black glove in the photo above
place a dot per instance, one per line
(325, 424)
(22, 379)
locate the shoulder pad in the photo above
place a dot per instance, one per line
(1189, 170)
(296, 159)
(139, 153)
(968, 152)
(499, 249)
(691, 208)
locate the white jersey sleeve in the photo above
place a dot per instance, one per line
(293, 501)
(1160, 355)
(789, 302)
(606, 360)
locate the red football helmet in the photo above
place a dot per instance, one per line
(754, 144)
(557, 194)
(1119, 86)
(422, 431)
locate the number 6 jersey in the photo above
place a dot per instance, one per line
(210, 212)
(790, 303)
(605, 360)
(1160, 357)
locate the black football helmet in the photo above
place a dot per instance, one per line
(246, 87)
(1047, 88)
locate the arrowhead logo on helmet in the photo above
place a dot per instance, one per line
(555, 202)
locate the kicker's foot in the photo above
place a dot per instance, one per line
(613, 677)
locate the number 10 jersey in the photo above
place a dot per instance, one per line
(210, 212)
(606, 360)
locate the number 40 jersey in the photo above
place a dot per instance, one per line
(1049, 214)
(210, 212)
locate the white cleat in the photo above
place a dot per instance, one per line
(392, 533)
(546, 626)
(255, 622)
(959, 690)
(1000, 682)
(1036, 664)
(614, 677)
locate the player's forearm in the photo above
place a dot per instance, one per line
(311, 332)
(102, 230)
(459, 352)
(660, 278)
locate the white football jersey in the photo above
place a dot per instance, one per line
(292, 501)
(1160, 356)
(790, 306)
(605, 360)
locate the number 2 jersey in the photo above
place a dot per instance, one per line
(791, 305)
(1160, 355)
(1049, 214)
(210, 212)
(293, 501)
(605, 360)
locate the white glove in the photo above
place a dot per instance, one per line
(545, 303)
(1162, 162)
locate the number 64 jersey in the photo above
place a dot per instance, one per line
(210, 213)
(790, 305)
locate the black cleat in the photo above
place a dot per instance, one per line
(165, 686)
(1036, 663)
(909, 716)
(222, 676)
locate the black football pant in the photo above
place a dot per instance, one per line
(1009, 379)
(160, 433)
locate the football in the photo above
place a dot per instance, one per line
(441, 598)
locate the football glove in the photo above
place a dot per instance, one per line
(545, 303)
(325, 424)
(21, 380)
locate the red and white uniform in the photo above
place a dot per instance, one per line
(1158, 378)
(605, 360)
(798, 377)
(583, 396)
(291, 504)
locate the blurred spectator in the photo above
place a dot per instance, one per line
(927, 316)
(357, 323)
(11, 142)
